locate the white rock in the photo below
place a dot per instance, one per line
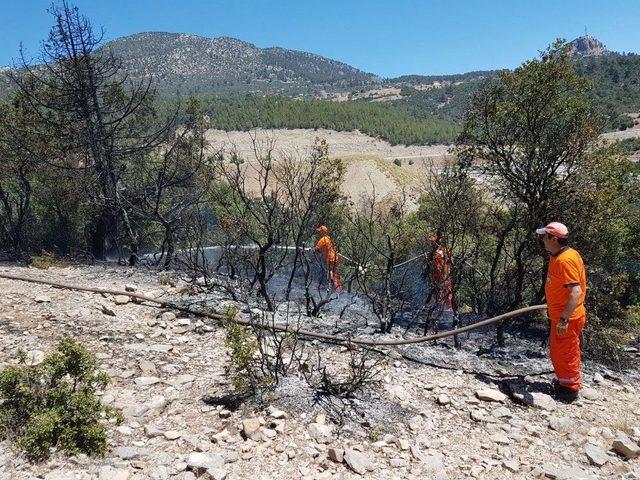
(443, 399)
(511, 465)
(358, 461)
(168, 316)
(43, 299)
(148, 368)
(596, 455)
(319, 432)
(490, 395)
(121, 299)
(216, 473)
(200, 462)
(251, 428)
(130, 287)
(336, 454)
(110, 473)
(146, 381)
(172, 435)
(107, 310)
(626, 447)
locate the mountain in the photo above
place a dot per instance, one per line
(194, 64)
(587, 46)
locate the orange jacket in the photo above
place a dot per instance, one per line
(328, 250)
(565, 269)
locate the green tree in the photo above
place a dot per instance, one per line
(529, 130)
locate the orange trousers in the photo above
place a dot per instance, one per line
(334, 277)
(565, 353)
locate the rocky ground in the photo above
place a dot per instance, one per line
(472, 419)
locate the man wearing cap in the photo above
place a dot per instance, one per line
(565, 289)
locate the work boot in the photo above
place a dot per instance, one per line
(564, 394)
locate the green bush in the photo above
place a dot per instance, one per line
(45, 261)
(398, 162)
(54, 405)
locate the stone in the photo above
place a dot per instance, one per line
(511, 465)
(224, 413)
(499, 438)
(107, 310)
(148, 368)
(277, 414)
(43, 299)
(358, 461)
(168, 317)
(121, 299)
(478, 416)
(598, 378)
(159, 347)
(336, 454)
(320, 432)
(251, 428)
(129, 453)
(443, 399)
(626, 447)
(398, 463)
(172, 435)
(590, 394)
(111, 473)
(533, 399)
(403, 444)
(561, 424)
(181, 380)
(491, 395)
(130, 287)
(433, 462)
(501, 412)
(200, 462)
(146, 381)
(596, 455)
(154, 430)
(35, 357)
(216, 473)
(564, 473)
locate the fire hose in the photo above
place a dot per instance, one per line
(277, 327)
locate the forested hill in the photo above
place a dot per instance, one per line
(194, 64)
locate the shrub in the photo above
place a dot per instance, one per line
(45, 261)
(53, 404)
(398, 162)
(242, 347)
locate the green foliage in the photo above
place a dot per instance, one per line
(54, 404)
(243, 347)
(622, 122)
(45, 261)
(396, 125)
(397, 162)
(629, 145)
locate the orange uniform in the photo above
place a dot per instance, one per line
(328, 251)
(566, 269)
(441, 277)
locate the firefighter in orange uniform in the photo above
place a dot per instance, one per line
(565, 289)
(441, 273)
(327, 249)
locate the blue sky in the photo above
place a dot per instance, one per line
(388, 38)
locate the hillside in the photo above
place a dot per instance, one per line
(193, 64)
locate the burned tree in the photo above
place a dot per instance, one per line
(97, 118)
